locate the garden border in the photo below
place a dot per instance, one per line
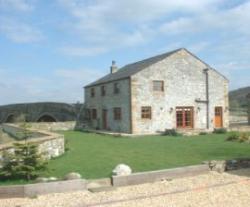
(31, 190)
(153, 176)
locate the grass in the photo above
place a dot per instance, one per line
(94, 156)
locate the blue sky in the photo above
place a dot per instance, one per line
(50, 49)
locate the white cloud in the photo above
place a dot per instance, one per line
(236, 19)
(83, 76)
(63, 85)
(133, 10)
(103, 23)
(83, 51)
(19, 5)
(19, 32)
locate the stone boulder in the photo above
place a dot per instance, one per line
(218, 165)
(52, 179)
(41, 180)
(72, 176)
(122, 169)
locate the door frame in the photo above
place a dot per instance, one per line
(182, 108)
(221, 116)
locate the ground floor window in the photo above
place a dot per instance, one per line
(146, 112)
(88, 114)
(184, 117)
(117, 113)
(94, 114)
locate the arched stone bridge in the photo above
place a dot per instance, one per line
(39, 112)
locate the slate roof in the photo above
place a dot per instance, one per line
(131, 69)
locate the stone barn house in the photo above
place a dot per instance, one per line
(175, 90)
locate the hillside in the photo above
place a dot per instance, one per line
(237, 98)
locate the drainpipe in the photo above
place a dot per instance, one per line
(207, 94)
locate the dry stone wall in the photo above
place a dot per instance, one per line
(50, 145)
(53, 126)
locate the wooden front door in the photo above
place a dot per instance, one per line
(104, 119)
(218, 119)
(185, 117)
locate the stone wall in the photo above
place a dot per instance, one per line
(108, 102)
(60, 112)
(238, 119)
(53, 126)
(184, 82)
(49, 144)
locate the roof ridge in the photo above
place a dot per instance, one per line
(132, 68)
(159, 55)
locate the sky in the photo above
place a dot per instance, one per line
(50, 49)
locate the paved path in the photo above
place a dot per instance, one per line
(210, 190)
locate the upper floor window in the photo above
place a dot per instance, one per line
(92, 92)
(117, 113)
(158, 85)
(103, 90)
(116, 88)
(94, 114)
(146, 112)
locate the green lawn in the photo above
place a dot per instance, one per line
(94, 156)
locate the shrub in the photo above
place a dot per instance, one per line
(242, 137)
(171, 132)
(220, 131)
(233, 137)
(23, 163)
(203, 133)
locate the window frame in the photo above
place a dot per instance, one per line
(116, 88)
(117, 113)
(88, 114)
(103, 90)
(92, 92)
(146, 112)
(158, 88)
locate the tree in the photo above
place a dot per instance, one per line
(24, 162)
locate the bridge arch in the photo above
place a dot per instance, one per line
(10, 118)
(46, 118)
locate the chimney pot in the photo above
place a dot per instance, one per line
(113, 67)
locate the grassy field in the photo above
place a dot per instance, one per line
(94, 156)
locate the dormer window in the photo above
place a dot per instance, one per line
(92, 92)
(116, 88)
(103, 90)
(158, 85)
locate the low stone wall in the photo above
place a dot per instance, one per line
(53, 126)
(16, 132)
(240, 128)
(49, 144)
(238, 119)
(32, 190)
(228, 165)
(153, 176)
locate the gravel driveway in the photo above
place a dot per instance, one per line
(212, 189)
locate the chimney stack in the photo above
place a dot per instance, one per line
(113, 67)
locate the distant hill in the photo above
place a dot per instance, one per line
(237, 98)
